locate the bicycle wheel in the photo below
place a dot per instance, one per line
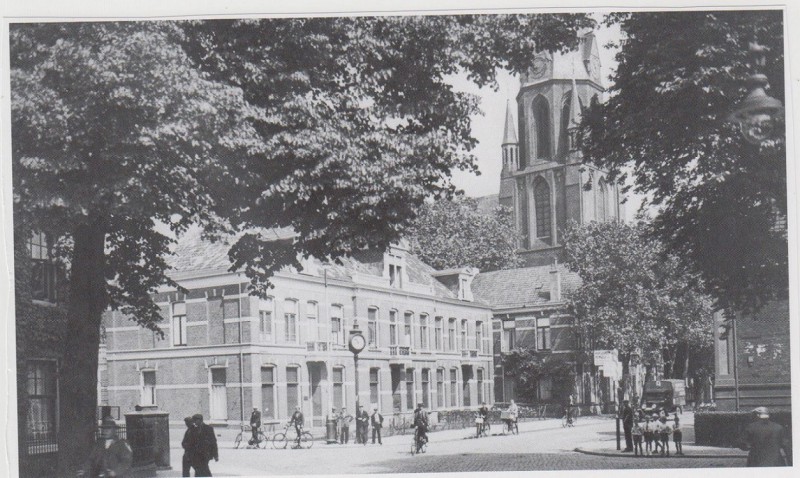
(306, 440)
(262, 441)
(414, 447)
(565, 421)
(238, 440)
(279, 441)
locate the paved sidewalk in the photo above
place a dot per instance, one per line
(609, 448)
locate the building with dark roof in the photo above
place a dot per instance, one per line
(530, 312)
(225, 351)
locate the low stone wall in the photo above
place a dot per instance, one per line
(725, 429)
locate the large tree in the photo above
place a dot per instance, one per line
(634, 296)
(456, 233)
(337, 127)
(720, 202)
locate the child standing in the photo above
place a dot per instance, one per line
(648, 436)
(677, 436)
(664, 432)
(637, 432)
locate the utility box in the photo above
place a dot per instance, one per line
(147, 433)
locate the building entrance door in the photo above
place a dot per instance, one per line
(466, 376)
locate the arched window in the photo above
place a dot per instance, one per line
(522, 207)
(541, 196)
(563, 133)
(601, 201)
(541, 126)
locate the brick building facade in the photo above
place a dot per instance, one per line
(225, 351)
(752, 359)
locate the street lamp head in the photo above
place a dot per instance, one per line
(756, 114)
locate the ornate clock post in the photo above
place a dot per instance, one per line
(356, 344)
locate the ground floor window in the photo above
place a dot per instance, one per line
(219, 394)
(338, 388)
(292, 389)
(481, 397)
(268, 392)
(410, 389)
(397, 378)
(148, 387)
(41, 396)
(374, 387)
(453, 387)
(440, 388)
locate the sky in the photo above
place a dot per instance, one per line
(488, 128)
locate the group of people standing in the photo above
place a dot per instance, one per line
(649, 435)
(364, 421)
(199, 446)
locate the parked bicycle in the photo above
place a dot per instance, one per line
(246, 435)
(281, 440)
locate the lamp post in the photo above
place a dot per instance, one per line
(356, 343)
(755, 115)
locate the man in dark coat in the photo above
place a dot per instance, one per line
(110, 456)
(627, 425)
(377, 424)
(255, 424)
(765, 439)
(189, 437)
(362, 425)
(297, 420)
(203, 447)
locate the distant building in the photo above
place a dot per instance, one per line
(40, 324)
(530, 312)
(753, 360)
(225, 351)
(544, 181)
(543, 175)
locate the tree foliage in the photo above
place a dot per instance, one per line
(717, 197)
(528, 369)
(336, 127)
(634, 297)
(454, 233)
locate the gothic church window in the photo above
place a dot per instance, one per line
(541, 196)
(541, 126)
(563, 132)
(601, 201)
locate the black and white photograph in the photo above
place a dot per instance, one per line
(378, 239)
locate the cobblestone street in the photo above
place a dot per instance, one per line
(541, 445)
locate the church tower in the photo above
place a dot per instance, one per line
(544, 185)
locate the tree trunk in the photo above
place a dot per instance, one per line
(686, 362)
(78, 382)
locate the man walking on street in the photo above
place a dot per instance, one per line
(255, 424)
(627, 425)
(766, 439)
(204, 447)
(188, 438)
(377, 424)
(362, 425)
(110, 456)
(344, 426)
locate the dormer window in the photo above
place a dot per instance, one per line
(463, 287)
(396, 276)
(394, 269)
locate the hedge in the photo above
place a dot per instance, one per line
(725, 428)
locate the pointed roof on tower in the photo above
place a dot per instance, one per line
(510, 131)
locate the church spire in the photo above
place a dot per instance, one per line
(510, 131)
(509, 146)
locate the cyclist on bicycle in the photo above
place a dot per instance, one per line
(297, 421)
(513, 412)
(568, 408)
(255, 424)
(421, 424)
(483, 412)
